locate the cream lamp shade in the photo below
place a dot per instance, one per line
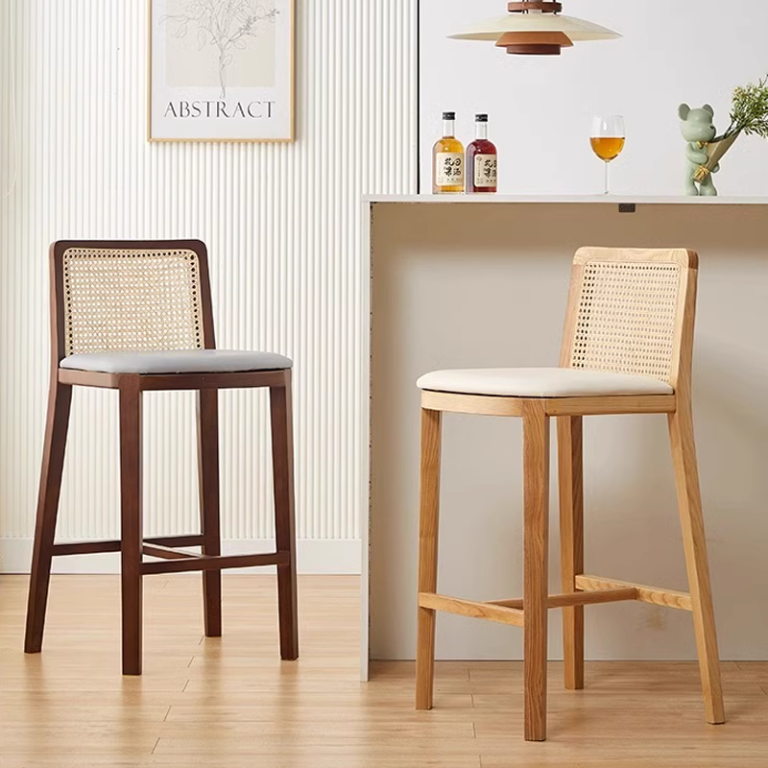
(536, 28)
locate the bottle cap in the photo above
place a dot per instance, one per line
(483, 118)
(449, 115)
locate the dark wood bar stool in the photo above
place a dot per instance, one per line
(627, 349)
(136, 316)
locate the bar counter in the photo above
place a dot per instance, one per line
(481, 281)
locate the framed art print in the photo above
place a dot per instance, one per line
(221, 70)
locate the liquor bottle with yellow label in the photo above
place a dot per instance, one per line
(448, 159)
(481, 160)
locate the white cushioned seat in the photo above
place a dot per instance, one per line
(177, 361)
(541, 382)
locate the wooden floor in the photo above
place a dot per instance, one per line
(231, 703)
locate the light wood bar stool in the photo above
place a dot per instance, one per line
(626, 349)
(136, 316)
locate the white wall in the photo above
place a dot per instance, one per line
(283, 222)
(541, 107)
(283, 227)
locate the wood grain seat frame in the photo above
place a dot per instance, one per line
(661, 343)
(196, 329)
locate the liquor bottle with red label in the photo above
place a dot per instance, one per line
(481, 166)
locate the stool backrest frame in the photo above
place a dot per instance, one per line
(632, 310)
(129, 295)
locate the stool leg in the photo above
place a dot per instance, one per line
(131, 522)
(429, 492)
(285, 526)
(208, 475)
(59, 405)
(571, 480)
(694, 541)
(535, 566)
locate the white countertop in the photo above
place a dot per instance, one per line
(564, 199)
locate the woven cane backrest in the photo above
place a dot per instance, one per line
(130, 299)
(627, 311)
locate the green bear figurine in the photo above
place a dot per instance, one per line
(697, 129)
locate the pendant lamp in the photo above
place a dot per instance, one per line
(536, 29)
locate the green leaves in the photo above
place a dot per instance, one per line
(749, 113)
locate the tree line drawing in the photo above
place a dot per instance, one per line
(228, 25)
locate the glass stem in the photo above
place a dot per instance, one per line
(606, 177)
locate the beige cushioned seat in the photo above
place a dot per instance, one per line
(178, 361)
(542, 382)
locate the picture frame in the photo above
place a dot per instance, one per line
(221, 70)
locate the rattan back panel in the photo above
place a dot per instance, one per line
(131, 299)
(625, 312)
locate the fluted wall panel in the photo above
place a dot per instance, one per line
(283, 226)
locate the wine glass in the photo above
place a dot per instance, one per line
(607, 140)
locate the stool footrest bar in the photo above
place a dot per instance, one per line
(215, 563)
(571, 599)
(471, 609)
(85, 547)
(654, 595)
(113, 545)
(190, 540)
(169, 553)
